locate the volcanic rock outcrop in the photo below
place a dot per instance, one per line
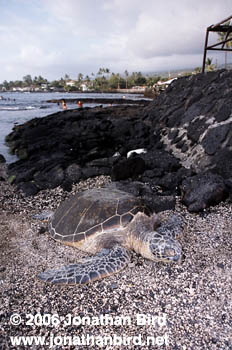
(186, 131)
(194, 121)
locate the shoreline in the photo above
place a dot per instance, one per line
(17, 108)
(108, 101)
(121, 91)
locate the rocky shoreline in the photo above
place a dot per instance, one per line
(195, 295)
(185, 132)
(105, 101)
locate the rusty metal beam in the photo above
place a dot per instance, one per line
(219, 27)
(216, 49)
(205, 50)
(226, 39)
(223, 29)
(220, 43)
(224, 20)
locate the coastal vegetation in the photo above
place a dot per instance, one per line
(103, 80)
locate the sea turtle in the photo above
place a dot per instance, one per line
(108, 223)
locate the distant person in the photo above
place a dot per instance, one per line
(64, 105)
(79, 104)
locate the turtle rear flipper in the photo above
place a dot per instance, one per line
(105, 263)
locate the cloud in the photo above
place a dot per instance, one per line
(86, 18)
(151, 28)
(165, 30)
(35, 56)
(57, 37)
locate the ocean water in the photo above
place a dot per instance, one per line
(18, 107)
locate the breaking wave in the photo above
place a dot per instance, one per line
(20, 108)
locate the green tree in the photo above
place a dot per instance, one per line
(151, 80)
(35, 81)
(80, 77)
(87, 80)
(127, 75)
(101, 71)
(42, 80)
(115, 81)
(66, 77)
(18, 83)
(197, 70)
(140, 79)
(101, 81)
(119, 80)
(62, 82)
(27, 80)
(210, 66)
(107, 71)
(136, 78)
(56, 84)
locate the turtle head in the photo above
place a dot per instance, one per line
(154, 241)
(163, 248)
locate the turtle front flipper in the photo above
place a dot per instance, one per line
(105, 263)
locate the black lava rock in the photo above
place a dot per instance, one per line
(158, 203)
(65, 147)
(193, 119)
(188, 126)
(2, 159)
(128, 168)
(203, 190)
(29, 188)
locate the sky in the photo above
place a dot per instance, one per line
(57, 37)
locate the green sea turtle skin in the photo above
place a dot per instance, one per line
(109, 223)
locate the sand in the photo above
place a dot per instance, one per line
(184, 306)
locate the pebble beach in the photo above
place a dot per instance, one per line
(148, 305)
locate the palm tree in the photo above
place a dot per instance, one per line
(103, 70)
(210, 66)
(100, 71)
(107, 71)
(197, 70)
(66, 77)
(224, 36)
(126, 74)
(80, 77)
(27, 80)
(119, 78)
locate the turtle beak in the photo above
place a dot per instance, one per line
(172, 254)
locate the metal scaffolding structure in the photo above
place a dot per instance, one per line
(219, 46)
